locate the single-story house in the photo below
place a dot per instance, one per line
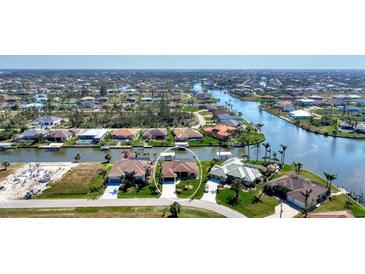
(60, 136)
(154, 134)
(173, 170)
(203, 96)
(31, 134)
(286, 106)
(187, 134)
(143, 170)
(47, 121)
(87, 102)
(234, 168)
(220, 131)
(92, 135)
(360, 128)
(297, 185)
(124, 134)
(300, 114)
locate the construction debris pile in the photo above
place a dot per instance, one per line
(31, 179)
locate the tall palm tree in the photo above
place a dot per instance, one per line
(257, 151)
(281, 156)
(5, 164)
(330, 178)
(266, 146)
(175, 209)
(299, 167)
(306, 195)
(274, 157)
(284, 149)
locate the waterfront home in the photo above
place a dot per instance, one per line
(297, 185)
(305, 102)
(47, 121)
(360, 128)
(142, 170)
(41, 98)
(60, 136)
(346, 126)
(352, 109)
(187, 134)
(158, 134)
(300, 114)
(92, 136)
(229, 119)
(220, 131)
(175, 170)
(203, 96)
(87, 102)
(286, 106)
(31, 134)
(32, 106)
(124, 134)
(234, 168)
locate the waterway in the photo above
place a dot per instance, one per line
(344, 157)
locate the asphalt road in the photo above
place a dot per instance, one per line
(225, 211)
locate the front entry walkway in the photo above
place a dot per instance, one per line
(168, 189)
(211, 186)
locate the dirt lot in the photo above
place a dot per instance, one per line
(10, 170)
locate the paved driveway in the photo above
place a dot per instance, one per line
(111, 192)
(210, 195)
(168, 190)
(201, 120)
(287, 211)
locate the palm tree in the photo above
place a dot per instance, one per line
(257, 151)
(236, 186)
(299, 167)
(107, 158)
(266, 145)
(306, 195)
(5, 165)
(281, 155)
(283, 148)
(175, 209)
(77, 157)
(330, 178)
(274, 157)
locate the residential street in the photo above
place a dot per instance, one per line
(201, 120)
(227, 212)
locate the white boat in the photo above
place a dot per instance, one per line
(181, 145)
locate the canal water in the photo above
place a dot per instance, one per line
(344, 157)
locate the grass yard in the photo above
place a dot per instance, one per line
(248, 205)
(143, 193)
(339, 203)
(106, 212)
(206, 165)
(82, 182)
(169, 142)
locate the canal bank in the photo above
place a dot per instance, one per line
(318, 153)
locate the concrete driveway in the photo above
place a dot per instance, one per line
(209, 196)
(168, 189)
(111, 192)
(201, 120)
(287, 211)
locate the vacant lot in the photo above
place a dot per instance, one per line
(10, 170)
(83, 181)
(106, 212)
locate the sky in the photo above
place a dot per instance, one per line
(182, 62)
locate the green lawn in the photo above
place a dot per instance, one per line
(106, 212)
(144, 193)
(206, 165)
(207, 140)
(248, 205)
(84, 181)
(190, 108)
(339, 203)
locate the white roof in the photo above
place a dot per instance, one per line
(167, 154)
(235, 168)
(224, 153)
(300, 113)
(95, 133)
